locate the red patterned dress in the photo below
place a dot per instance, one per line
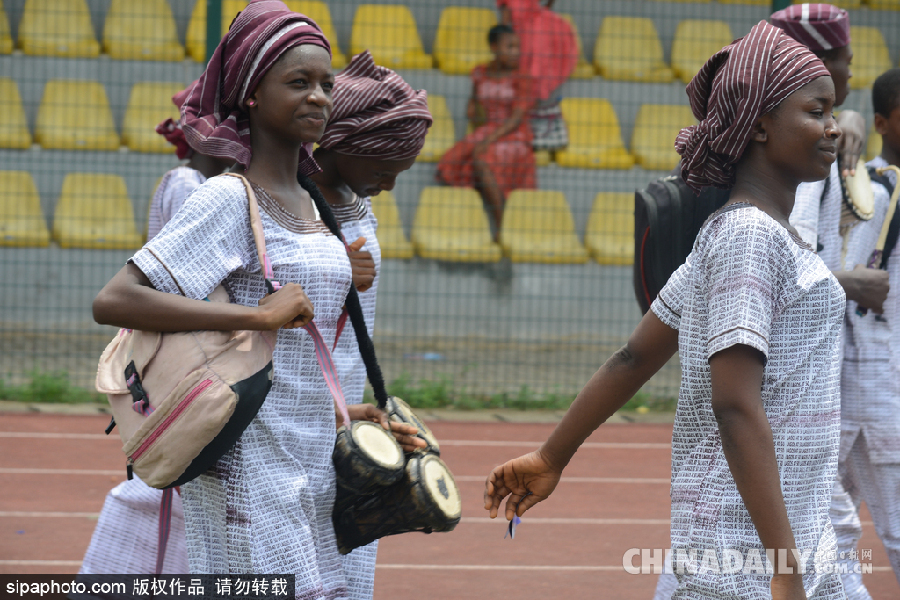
(510, 158)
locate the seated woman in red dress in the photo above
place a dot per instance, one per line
(496, 158)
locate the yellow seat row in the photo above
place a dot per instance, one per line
(75, 115)
(450, 224)
(93, 211)
(595, 139)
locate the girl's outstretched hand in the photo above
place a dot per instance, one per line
(516, 478)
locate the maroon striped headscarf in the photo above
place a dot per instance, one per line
(739, 84)
(171, 130)
(213, 113)
(376, 113)
(818, 26)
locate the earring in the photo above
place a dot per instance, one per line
(251, 103)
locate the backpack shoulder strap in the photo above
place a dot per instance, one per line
(258, 235)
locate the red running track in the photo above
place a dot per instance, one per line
(614, 496)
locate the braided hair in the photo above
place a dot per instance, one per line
(366, 347)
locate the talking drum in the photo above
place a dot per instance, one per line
(366, 458)
(400, 411)
(857, 192)
(426, 499)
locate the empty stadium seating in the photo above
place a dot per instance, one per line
(149, 104)
(461, 40)
(6, 41)
(389, 32)
(75, 115)
(94, 212)
(695, 41)
(609, 236)
(441, 135)
(884, 4)
(595, 140)
(538, 228)
(13, 127)
(870, 56)
(450, 224)
(142, 30)
(57, 28)
(655, 130)
(628, 49)
(583, 69)
(391, 238)
(21, 220)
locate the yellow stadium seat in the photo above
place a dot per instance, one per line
(461, 40)
(442, 133)
(318, 11)
(451, 225)
(21, 219)
(75, 115)
(6, 41)
(883, 4)
(870, 56)
(753, 2)
(391, 238)
(609, 236)
(149, 105)
(873, 144)
(538, 228)
(142, 30)
(389, 32)
(57, 28)
(595, 140)
(583, 69)
(13, 127)
(695, 41)
(94, 212)
(655, 129)
(628, 49)
(541, 158)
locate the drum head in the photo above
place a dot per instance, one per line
(859, 194)
(439, 482)
(378, 444)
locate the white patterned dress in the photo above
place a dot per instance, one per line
(749, 281)
(357, 220)
(266, 506)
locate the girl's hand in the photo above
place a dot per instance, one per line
(404, 434)
(787, 587)
(516, 478)
(287, 308)
(363, 265)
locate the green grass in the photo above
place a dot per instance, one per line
(48, 387)
(440, 393)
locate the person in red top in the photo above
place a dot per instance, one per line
(496, 158)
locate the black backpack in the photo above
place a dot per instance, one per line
(667, 218)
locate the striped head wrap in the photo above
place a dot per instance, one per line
(171, 130)
(213, 113)
(817, 26)
(739, 84)
(376, 113)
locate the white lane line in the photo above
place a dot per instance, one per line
(23, 514)
(14, 471)
(502, 443)
(57, 436)
(536, 444)
(637, 480)
(40, 563)
(414, 567)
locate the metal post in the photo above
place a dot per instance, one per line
(780, 4)
(213, 26)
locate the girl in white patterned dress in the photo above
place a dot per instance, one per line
(375, 132)
(756, 317)
(264, 98)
